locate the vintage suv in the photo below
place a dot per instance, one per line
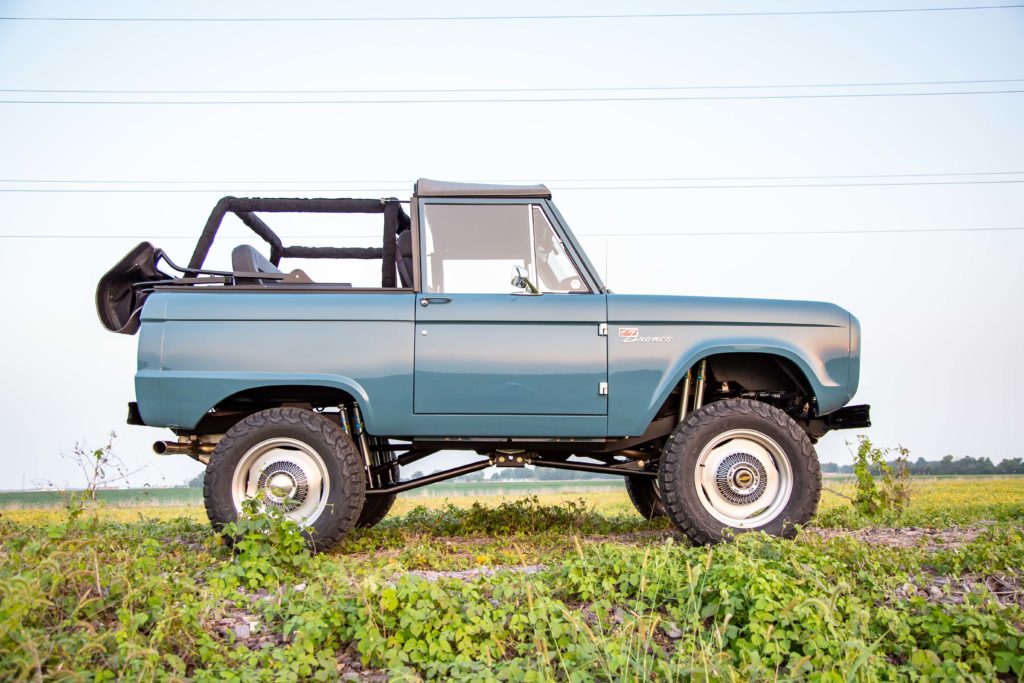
(491, 332)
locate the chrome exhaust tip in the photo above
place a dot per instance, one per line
(193, 448)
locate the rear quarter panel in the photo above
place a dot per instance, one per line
(197, 348)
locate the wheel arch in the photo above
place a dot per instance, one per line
(801, 367)
(196, 396)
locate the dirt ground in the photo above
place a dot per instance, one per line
(905, 537)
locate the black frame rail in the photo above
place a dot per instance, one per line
(622, 469)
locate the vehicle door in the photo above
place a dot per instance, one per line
(486, 346)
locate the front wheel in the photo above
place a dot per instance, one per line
(739, 465)
(643, 493)
(291, 460)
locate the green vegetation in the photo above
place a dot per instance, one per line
(892, 492)
(534, 589)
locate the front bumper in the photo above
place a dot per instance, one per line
(850, 417)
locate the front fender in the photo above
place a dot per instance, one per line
(639, 393)
(812, 369)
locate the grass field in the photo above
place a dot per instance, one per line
(523, 584)
(184, 496)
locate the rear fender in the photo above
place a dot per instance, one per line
(196, 393)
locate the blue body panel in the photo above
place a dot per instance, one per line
(508, 354)
(682, 330)
(197, 348)
(489, 365)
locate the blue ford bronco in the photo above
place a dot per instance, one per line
(491, 332)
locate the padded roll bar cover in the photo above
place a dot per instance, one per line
(273, 205)
(117, 304)
(396, 222)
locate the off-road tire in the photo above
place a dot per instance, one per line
(645, 497)
(340, 457)
(682, 451)
(377, 508)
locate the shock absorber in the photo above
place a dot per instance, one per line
(360, 433)
(698, 399)
(684, 402)
(343, 420)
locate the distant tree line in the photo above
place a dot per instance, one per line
(964, 465)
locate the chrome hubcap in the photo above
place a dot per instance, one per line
(281, 486)
(285, 474)
(743, 478)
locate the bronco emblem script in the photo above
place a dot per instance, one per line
(631, 335)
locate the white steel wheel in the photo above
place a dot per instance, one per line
(284, 474)
(292, 460)
(735, 466)
(743, 478)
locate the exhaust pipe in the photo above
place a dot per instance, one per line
(193, 449)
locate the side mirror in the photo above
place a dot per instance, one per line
(521, 280)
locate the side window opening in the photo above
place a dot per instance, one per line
(472, 248)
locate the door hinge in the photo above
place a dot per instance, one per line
(602, 388)
(602, 330)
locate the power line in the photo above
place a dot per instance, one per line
(603, 188)
(396, 91)
(524, 17)
(750, 233)
(853, 231)
(406, 181)
(534, 100)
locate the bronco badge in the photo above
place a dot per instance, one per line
(631, 335)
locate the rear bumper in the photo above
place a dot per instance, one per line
(134, 416)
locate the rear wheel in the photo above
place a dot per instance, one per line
(291, 460)
(739, 465)
(645, 496)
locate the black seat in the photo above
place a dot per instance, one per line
(405, 258)
(245, 259)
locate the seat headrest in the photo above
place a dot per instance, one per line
(405, 243)
(245, 259)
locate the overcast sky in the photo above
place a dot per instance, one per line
(941, 311)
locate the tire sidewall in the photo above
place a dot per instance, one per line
(645, 498)
(696, 432)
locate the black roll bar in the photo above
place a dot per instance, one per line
(396, 220)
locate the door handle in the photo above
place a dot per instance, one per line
(427, 300)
